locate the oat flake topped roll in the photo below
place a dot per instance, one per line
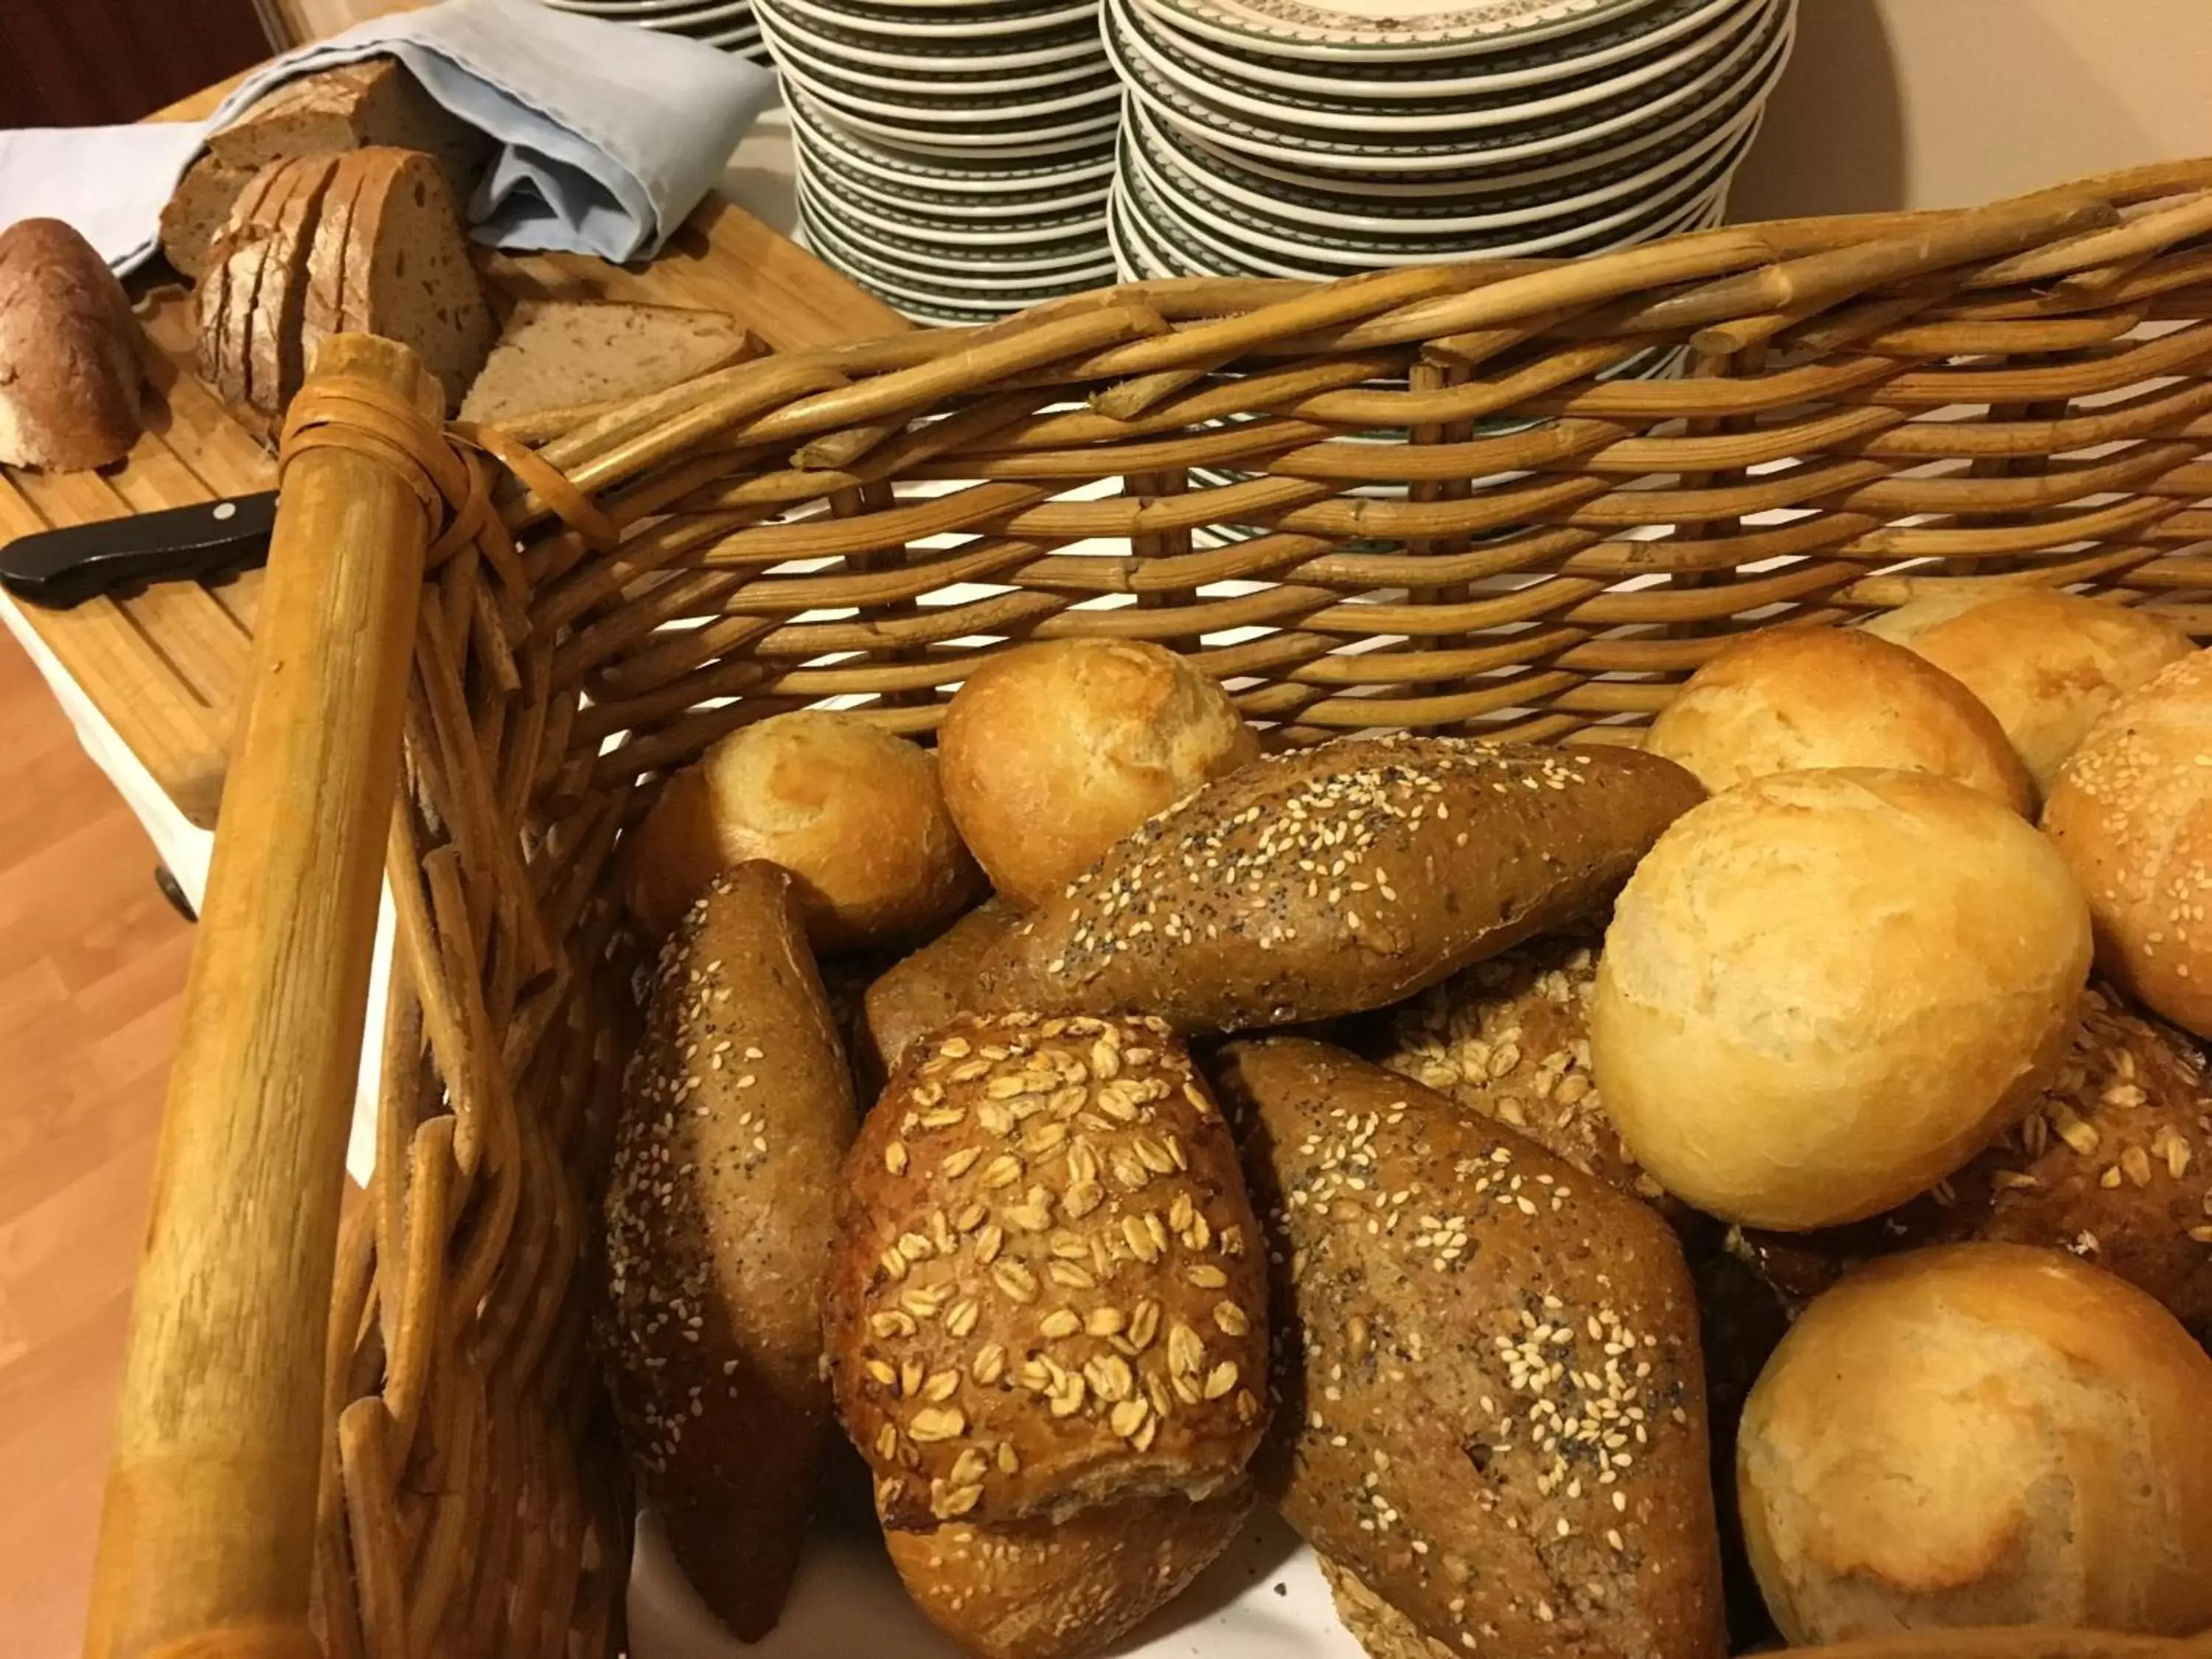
(1046, 1291)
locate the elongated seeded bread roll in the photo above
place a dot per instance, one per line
(1046, 1292)
(738, 1110)
(927, 988)
(1058, 1589)
(1338, 878)
(1491, 1406)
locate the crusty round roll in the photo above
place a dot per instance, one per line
(2046, 663)
(1981, 1434)
(854, 813)
(1058, 1589)
(2132, 812)
(70, 369)
(1053, 752)
(737, 1112)
(1822, 992)
(1795, 699)
(1046, 1292)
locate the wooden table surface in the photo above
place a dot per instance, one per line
(166, 666)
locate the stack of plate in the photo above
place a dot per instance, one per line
(1314, 138)
(953, 159)
(728, 24)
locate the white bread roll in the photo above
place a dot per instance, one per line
(1794, 699)
(1053, 752)
(852, 811)
(2047, 665)
(1824, 991)
(2132, 813)
(1983, 1434)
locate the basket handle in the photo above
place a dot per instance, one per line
(207, 1531)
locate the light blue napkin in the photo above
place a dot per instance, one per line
(608, 134)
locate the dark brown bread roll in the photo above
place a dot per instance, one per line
(2114, 1164)
(69, 352)
(1057, 1589)
(926, 989)
(1338, 878)
(718, 1226)
(1046, 1290)
(1491, 1404)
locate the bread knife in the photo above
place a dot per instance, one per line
(63, 568)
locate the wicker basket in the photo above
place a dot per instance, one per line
(1455, 499)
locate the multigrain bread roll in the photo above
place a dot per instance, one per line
(1795, 699)
(2047, 665)
(1058, 1589)
(1491, 1404)
(1046, 1292)
(854, 813)
(1823, 992)
(1053, 752)
(923, 992)
(738, 1110)
(2114, 1164)
(2132, 812)
(1336, 879)
(1981, 1434)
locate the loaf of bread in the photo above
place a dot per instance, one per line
(1053, 752)
(2114, 1164)
(737, 1112)
(559, 353)
(2048, 665)
(922, 993)
(70, 367)
(1981, 1434)
(1338, 878)
(1492, 1408)
(375, 101)
(1824, 991)
(853, 812)
(1046, 1292)
(1058, 1589)
(2132, 812)
(1795, 699)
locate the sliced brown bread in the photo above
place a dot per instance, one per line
(200, 205)
(408, 274)
(227, 304)
(321, 297)
(273, 359)
(350, 107)
(556, 354)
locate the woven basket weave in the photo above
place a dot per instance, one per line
(1514, 500)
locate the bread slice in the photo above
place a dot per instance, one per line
(555, 354)
(408, 274)
(233, 264)
(201, 206)
(374, 102)
(322, 293)
(273, 367)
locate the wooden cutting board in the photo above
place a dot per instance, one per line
(168, 666)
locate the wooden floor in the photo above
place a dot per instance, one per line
(92, 973)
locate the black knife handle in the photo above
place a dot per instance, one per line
(66, 567)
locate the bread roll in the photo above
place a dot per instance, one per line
(1046, 1292)
(1982, 1434)
(922, 993)
(69, 363)
(1795, 699)
(1492, 1409)
(1053, 752)
(2047, 665)
(2114, 1162)
(1058, 1589)
(2132, 812)
(852, 811)
(738, 1111)
(1824, 991)
(1338, 878)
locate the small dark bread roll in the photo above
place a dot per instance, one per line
(923, 992)
(1338, 878)
(1491, 1404)
(1057, 1589)
(1046, 1291)
(738, 1109)
(2114, 1164)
